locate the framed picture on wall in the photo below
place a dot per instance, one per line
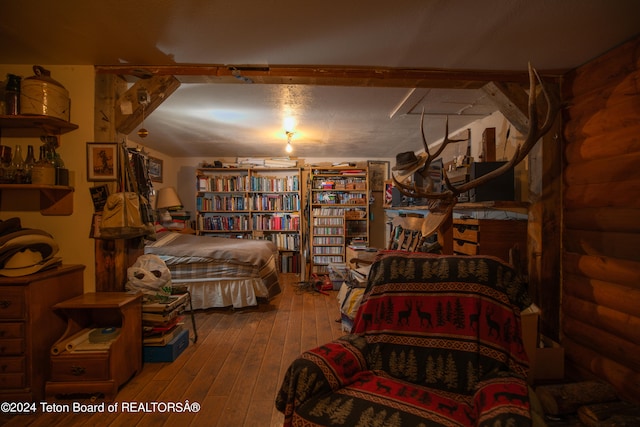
(378, 174)
(102, 161)
(155, 169)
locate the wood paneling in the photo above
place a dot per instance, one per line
(601, 231)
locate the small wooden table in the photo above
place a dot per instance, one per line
(105, 369)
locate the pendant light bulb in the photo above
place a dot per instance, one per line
(142, 132)
(289, 147)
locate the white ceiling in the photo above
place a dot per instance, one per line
(244, 119)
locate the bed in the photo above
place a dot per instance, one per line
(219, 272)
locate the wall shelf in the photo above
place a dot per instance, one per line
(34, 125)
(54, 199)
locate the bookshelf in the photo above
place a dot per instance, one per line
(339, 214)
(253, 203)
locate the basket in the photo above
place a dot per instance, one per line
(354, 214)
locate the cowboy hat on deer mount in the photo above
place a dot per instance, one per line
(407, 163)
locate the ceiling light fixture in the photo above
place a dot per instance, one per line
(289, 148)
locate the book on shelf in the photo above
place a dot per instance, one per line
(172, 302)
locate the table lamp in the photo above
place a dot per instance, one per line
(167, 200)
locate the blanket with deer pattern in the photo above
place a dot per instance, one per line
(436, 341)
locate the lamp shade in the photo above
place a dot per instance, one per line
(167, 198)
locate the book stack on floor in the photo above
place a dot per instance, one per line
(164, 335)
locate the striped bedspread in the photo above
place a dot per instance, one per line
(193, 258)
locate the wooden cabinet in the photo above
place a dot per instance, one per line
(102, 370)
(489, 237)
(29, 327)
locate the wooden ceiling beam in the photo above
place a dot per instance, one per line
(323, 75)
(130, 112)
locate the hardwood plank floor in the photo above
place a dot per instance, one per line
(233, 370)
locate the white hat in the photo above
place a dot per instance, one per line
(33, 239)
(25, 262)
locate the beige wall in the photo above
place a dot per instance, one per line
(70, 232)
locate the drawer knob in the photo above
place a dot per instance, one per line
(77, 370)
(5, 303)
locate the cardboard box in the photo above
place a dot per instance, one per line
(169, 352)
(549, 360)
(546, 357)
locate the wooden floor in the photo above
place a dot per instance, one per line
(233, 370)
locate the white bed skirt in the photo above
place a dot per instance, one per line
(236, 293)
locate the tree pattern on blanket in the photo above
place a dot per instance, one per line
(435, 343)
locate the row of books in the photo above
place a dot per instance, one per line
(283, 241)
(243, 182)
(276, 222)
(237, 203)
(333, 240)
(273, 183)
(339, 198)
(276, 202)
(290, 262)
(235, 222)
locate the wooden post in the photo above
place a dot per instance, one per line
(489, 145)
(113, 258)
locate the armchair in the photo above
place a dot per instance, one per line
(436, 341)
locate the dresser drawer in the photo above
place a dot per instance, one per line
(11, 365)
(81, 367)
(12, 381)
(466, 232)
(11, 346)
(12, 305)
(11, 330)
(466, 248)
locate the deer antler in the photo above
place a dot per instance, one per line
(534, 133)
(413, 191)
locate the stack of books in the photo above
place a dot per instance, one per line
(162, 320)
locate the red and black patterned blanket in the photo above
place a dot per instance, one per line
(436, 341)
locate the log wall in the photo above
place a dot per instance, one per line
(601, 220)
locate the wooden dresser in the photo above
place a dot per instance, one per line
(489, 237)
(29, 327)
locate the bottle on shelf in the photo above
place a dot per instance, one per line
(5, 164)
(18, 166)
(43, 172)
(12, 94)
(29, 162)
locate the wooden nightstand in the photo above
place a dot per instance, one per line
(103, 370)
